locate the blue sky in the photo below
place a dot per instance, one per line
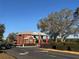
(23, 15)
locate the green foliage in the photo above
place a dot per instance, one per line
(36, 40)
(73, 46)
(11, 37)
(64, 46)
(2, 30)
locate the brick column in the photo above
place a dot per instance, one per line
(46, 39)
(23, 40)
(39, 39)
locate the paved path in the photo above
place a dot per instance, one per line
(36, 53)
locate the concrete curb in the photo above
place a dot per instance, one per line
(63, 51)
(25, 46)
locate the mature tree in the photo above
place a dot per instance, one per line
(76, 21)
(42, 25)
(60, 23)
(2, 30)
(11, 37)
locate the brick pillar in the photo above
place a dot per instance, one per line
(39, 39)
(33, 40)
(46, 39)
(23, 40)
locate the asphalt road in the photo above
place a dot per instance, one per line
(36, 53)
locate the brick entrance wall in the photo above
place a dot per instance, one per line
(20, 39)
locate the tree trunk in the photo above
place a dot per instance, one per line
(55, 38)
(62, 39)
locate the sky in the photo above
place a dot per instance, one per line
(23, 15)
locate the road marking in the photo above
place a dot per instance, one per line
(48, 54)
(21, 49)
(23, 53)
(43, 51)
(52, 55)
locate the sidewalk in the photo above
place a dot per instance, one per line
(63, 51)
(5, 56)
(26, 46)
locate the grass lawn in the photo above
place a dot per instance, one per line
(5, 56)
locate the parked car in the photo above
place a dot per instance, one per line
(6, 46)
(2, 46)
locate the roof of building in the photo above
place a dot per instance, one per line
(33, 33)
(24, 32)
(38, 33)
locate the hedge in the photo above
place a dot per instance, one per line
(62, 46)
